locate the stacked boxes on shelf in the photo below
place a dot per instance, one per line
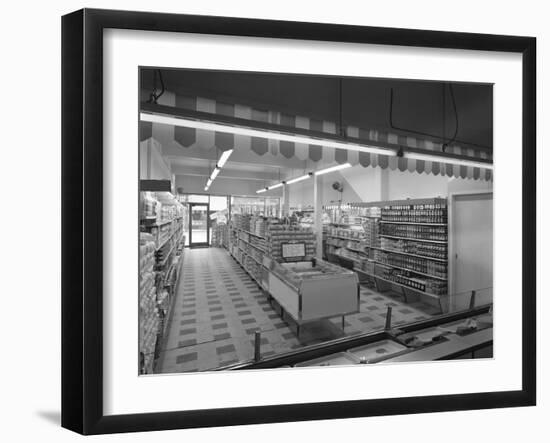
(241, 221)
(248, 246)
(258, 226)
(161, 226)
(428, 250)
(219, 235)
(168, 245)
(279, 234)
(411, 280)
(148, 311)
(371, 236)
(253, 267)
(433, 211)
(417, 232)
(413, 247)
(420, 265)
(346, 242)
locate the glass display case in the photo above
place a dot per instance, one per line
(313, 289)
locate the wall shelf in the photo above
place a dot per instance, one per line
(441, 242)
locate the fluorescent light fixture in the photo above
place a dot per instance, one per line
(206, 188)
(261, 133)
(273, 134)
(332, 169)
(278, 185)
(259, 191)
(225, 155)
(298, 179)
(208, 183)
(452, 161)
(215, 173)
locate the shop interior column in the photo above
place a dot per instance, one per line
(318, 213)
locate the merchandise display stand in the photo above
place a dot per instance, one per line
(406, 248)
(303, 288)
(161, 239)
(314, 291)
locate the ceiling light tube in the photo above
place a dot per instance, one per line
(215, 173)
(259, 191)
(225, 155)
(278, 185)
(206, 188)
(452, 161)
(298, 179)
(332, 169)
(262, 133)
(199, 120)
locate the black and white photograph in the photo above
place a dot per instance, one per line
(247, 222)
(294, 221)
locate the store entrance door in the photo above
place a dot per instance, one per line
(199, 224)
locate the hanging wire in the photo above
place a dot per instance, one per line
(445, 141)
(341, 124)
(153, 96)
(444, 146)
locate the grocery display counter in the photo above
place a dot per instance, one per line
(465, 334)
(313, 290)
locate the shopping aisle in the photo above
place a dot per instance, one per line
(218, 308)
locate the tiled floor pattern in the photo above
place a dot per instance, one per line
(218, 308)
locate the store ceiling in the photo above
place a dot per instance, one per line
(416, 107)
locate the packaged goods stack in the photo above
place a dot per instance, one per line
(258, 226)
(402, 242)
(169, 237)
(428, 250)
(149, 206)
(419, 266)
(412, 280)
(346, 242)
(415, 232)
(161, 226)
(148, 311)
(280, 234)
(413, 246)
(241, 221)
(253, 267)
(219, 235)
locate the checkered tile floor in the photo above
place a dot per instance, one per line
(218, 308)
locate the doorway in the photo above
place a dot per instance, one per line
(199, 225)
(471, 248)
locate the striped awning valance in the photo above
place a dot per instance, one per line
(203, 139)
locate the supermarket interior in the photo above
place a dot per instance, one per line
(298, 220)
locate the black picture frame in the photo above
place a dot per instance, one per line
(82, 218)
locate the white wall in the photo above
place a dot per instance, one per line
(152, 165)
(301, 193)
(407, 184)
(375, 184)
(365, 182)
(459, 185)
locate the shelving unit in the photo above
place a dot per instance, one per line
(161, 236)
(304, 291)
(442, 260)
(415, 262)
(239, 236)
(414, 239)
(385, 222)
